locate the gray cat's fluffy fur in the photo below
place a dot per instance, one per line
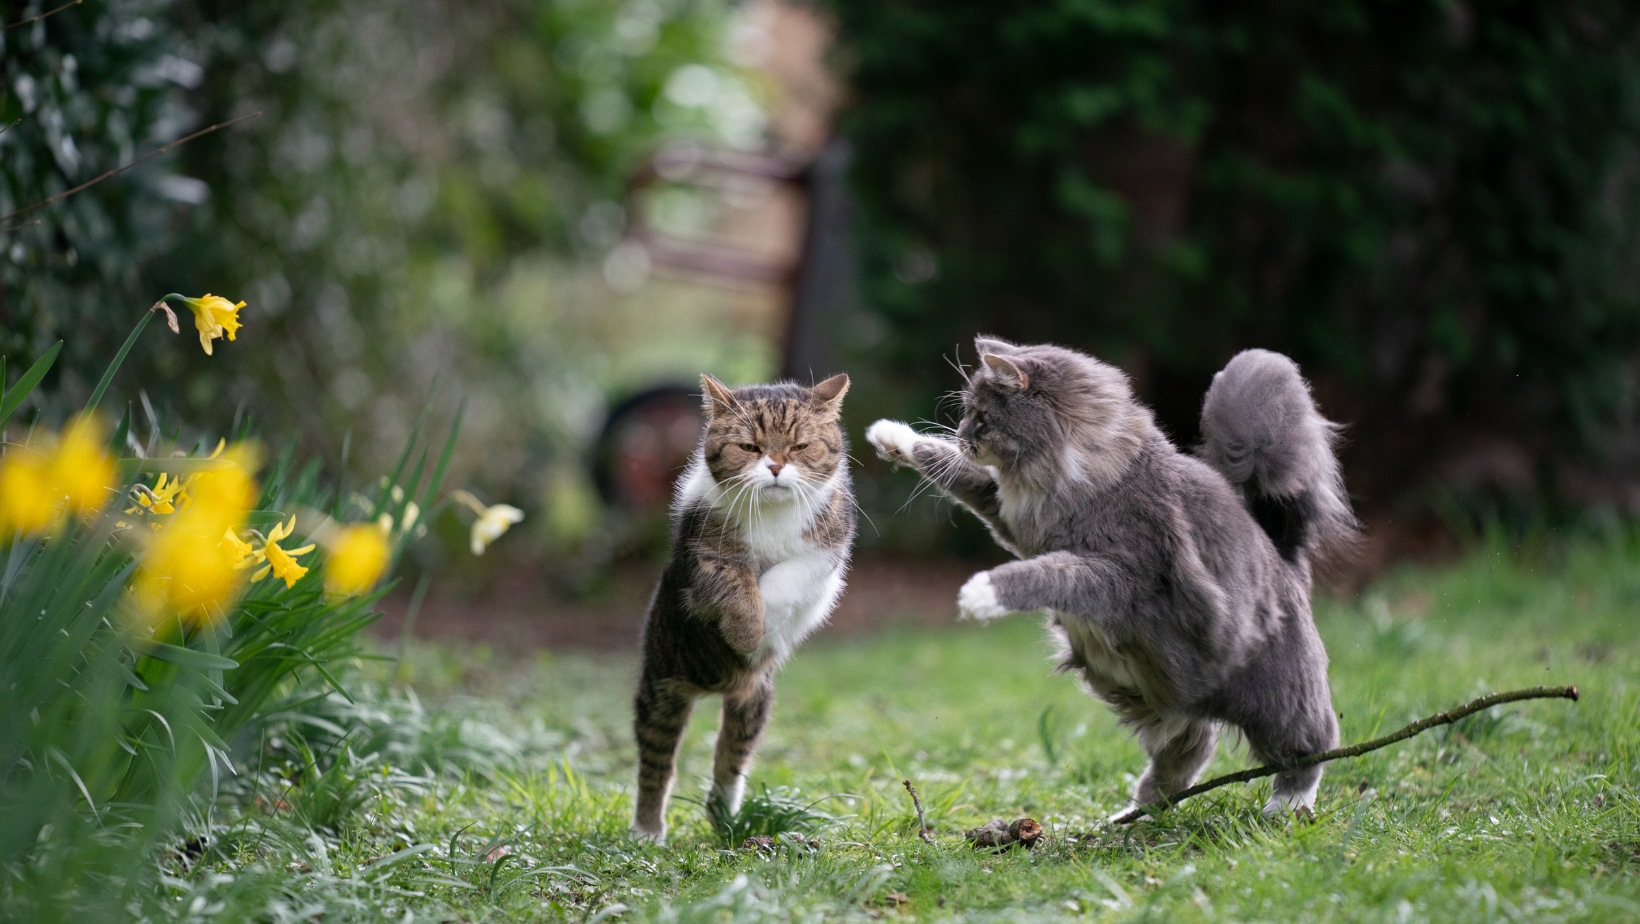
(1179, 586)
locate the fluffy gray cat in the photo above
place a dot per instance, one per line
(1178, 586)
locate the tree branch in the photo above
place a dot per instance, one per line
(1355, 750)
(24, 22)
(149, 156)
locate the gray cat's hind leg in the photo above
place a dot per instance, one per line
(739, 731)
(1293, 790)
(1303, 731)
(1178, 754)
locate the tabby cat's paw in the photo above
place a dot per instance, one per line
(649, 835)
(977, 600)
(892, 440)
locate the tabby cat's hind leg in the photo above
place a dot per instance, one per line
(745, 713)
(661, 711)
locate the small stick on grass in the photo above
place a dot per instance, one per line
(922, 824)
(1354, 750)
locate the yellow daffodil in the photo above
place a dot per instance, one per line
(229, 487)
(237, 547)
(358, 557)
(81, 470)
(492, 521)
(73, 472)
(162, 497)
(495, 521)
(280, 562)
(188, 569)
(26, 501)
(214, 316)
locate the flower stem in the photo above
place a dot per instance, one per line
(108, 377)
(469, 500)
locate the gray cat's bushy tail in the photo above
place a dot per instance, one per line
(1262, 432)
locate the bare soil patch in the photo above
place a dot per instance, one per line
(520, 609)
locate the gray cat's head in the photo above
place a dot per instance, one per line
(1046, 413)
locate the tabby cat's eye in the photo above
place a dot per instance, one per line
(751, 447)
(800, 447)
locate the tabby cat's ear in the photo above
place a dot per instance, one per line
(1007, 374)
(830, 392)
(719, 400)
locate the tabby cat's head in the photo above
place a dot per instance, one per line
(1045, 412)
(781, 441)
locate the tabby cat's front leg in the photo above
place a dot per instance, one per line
(745, 713)
(726, 586)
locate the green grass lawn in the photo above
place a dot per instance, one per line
(500, 789)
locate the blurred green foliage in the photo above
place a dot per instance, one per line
(81, 92)
(111, 717)
(1430, 204)
(431, 190)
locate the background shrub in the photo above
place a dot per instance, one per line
(1430, 205)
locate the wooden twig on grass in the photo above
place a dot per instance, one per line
(1354, 750)
(922, 824)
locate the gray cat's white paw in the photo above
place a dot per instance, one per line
(1117, 818)
(977, 600)
(892, 440)
(1299, 803)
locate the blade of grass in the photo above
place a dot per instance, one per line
(25, 385)
(116, 444)
(443, 459)
(404, 457)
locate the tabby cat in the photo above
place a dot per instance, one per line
(762, 525)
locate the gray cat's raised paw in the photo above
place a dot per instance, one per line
(892, 440)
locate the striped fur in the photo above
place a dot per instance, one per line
(763, 522)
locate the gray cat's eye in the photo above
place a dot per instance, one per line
(800, 447)
(751, 447)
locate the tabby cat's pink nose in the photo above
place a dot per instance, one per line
(775, 469)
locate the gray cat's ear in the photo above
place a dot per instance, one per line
(831, 391)
(1007, 374)
(996, 346)
(718, 399)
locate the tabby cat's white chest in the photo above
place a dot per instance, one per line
(775, 533)
(799, 579)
